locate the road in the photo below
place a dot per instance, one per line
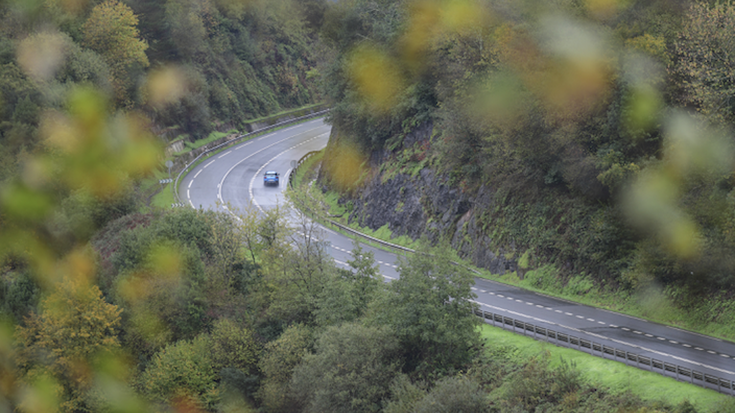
(234, 177)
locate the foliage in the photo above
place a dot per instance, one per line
(74, 326)
(429, 309)
(704, 62)
(183, 373)
(280, 357)
(348, 370)
(111, 30)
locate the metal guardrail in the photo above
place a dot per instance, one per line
(185, 169)
(611, 353)
(677, 372)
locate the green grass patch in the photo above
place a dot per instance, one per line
(331, 198)
(616, 377)
(164, 198)
(305, 172)
(284, 113)
(209, 139)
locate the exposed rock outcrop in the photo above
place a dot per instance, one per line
(425, 204)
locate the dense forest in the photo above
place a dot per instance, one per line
(110, 305)
(593, 136)
(188, 66)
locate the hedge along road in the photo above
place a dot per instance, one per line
(235, 177)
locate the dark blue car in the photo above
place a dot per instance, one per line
(270, 178)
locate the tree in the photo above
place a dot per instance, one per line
(279, 358)
(74, 327)
(347, 294)
(184, 374)
(349, 371)
(429, 308)
(111, 30)
(706, 59)
(226, 243)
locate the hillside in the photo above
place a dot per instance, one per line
(526, 135)
(593, 138)
(187, 67)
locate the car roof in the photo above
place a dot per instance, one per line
(271, 173)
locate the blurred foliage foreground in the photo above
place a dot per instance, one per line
(107, 309)
(594, 136)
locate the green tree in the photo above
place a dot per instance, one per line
(429, 308)
(233, 346)
(279, 358)
(74, 327)
(111, 30)
(454, 395)
(184, 374)
(349, 371)
(706, 59)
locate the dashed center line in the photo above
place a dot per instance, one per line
(600, 322)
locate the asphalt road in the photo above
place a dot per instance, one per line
(235, 177)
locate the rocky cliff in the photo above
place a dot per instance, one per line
(423, 204)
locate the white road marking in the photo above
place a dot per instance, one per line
(190, 182)
(600, 336)
(224, 154)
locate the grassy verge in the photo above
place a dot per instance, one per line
(715, 317)
(306, 171)
(201, 142)
(609, 374)
(284, 113)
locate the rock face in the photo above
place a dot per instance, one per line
(426, 205)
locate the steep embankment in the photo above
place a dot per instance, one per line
(424, 203)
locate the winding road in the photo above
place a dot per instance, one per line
(235, 177)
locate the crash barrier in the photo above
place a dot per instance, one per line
(185, 170)
(565, 340)
(611, 353)
(298, 165)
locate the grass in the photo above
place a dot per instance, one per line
(609, 374)
(164, 198)
(304, 171)
(285, 112)
(209, 139)
(715, 318)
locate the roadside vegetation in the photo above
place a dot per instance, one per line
(109, 303)
(589, 143)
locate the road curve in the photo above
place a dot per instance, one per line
(234, 176)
